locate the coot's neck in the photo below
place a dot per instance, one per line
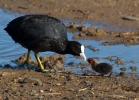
(68, 48)
(71, 48)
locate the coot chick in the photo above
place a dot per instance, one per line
(103, 68)
(41, 33)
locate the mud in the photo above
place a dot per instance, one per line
(21, 84)
(116, 12)
(110, 37)
(29, 85)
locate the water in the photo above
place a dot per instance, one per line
(9, 50)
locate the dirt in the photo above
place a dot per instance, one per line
(31, 85)
(21, 84)
(110, 37)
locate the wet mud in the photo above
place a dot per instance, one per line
(110, 37)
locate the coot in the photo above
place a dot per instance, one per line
(41, 33)
(103, 68)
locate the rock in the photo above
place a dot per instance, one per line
(41, 91)
(100, 32)
(122, 73)
(123, 69)
(110, 58)
(133, 68)
(72, 27)
(32, 80)
(119, 61)
(132, 60)
(71, 64)
(48, 64)
(82, 34)
(24, 93)
(130, 18)
(7, 66)
(7, 73)
(58, 65)
(22, 59)
(40, 97)
(91, 31)
(82, 28)
(94, 49)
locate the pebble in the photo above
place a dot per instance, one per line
(5, 74)
(123, 69)
(41, 91)
(133, 68)
(40, 97)
(132, 60)
(110, 58)
(32, 80)
(94, 49)
(24, 93)
(122, 73)
(71, 64)
(131, 18)
(119, 61)
(22, 85)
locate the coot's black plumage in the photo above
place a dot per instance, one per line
(41, 33)
(103, 68)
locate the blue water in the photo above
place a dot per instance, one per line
(9, 50)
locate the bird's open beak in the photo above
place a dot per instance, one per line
(83, 56)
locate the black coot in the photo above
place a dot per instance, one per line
(103, 68)
(41, 33)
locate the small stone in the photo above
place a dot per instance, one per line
(100, 32)
(22, 85)
(123, 69)
(40, 97)
(7, 66)
(71, 64)
(122, 73)
(32, 80)
(8, 98)
(23, 93)
(132, 60)
(82, 34)
(119, 61)
(110, 58)
(41, 91)
(133, 68)
(5, 74)
(105, 43)
(83, 28)
(58, 84)
(94, 49)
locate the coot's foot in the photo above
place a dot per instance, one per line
(49, 71)
(25, 65)
(107, 75)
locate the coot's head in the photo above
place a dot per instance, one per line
(75, 48)
(91, 61)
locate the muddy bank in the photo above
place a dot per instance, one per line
(115, 12)
(28, 85)
(111, 11)
(110, 37)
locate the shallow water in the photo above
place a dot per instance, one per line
(9, 50)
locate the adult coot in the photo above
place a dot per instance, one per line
(103, 68)
(41, 33)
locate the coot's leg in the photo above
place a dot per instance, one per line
(27, 60)
(40, 65)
